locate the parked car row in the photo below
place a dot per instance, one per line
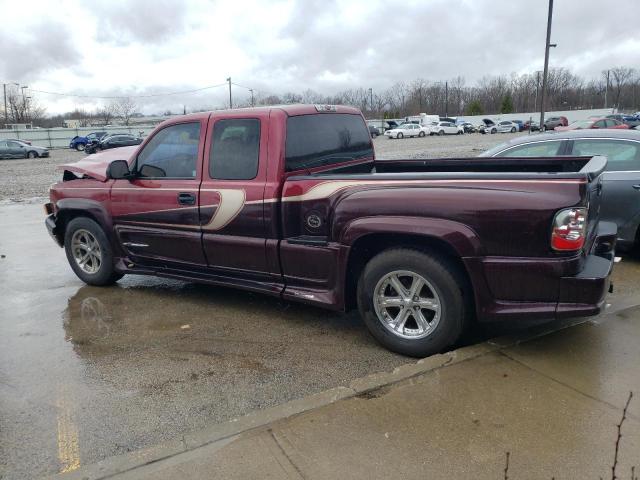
(113, 140)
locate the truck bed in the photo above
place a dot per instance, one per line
(477, 167)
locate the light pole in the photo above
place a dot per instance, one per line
(546, 63)
(24, 102)
(606, 90)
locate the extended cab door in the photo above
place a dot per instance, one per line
(156, 215)
(232, 196)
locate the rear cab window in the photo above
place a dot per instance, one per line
(326, 139)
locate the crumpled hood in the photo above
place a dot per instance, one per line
(95, 166)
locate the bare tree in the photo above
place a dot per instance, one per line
(125, 108)
(620, 77)
(23, 109)
(108, 112)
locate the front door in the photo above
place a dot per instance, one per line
(16, 150)
(156, 215)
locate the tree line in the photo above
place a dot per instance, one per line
(617, 87)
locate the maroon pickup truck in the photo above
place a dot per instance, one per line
(290, 201)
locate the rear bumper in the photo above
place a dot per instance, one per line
(545, 289)
(584, 294)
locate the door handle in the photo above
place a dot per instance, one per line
(637, 186)
(186, 198)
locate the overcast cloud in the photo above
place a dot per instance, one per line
(132, 47)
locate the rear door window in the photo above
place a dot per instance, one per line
(326, 139)
(235, 149)
(622, 155)
(537, 149)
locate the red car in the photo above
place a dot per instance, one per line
(594, 123)
(291, 202)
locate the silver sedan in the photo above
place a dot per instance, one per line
(18, 149)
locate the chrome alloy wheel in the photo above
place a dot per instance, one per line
(86, 251)
(407, 304)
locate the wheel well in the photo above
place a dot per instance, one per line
(63, 218)
(368, 246)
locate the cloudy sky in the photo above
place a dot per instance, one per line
(142, 47)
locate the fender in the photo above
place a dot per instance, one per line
(94, 209)
(460, 237)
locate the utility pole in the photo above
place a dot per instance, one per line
(24, 103)
(546, 63)
(230, 101)
(446, 99)
(371, 98)
(252, 101)
(606, 90)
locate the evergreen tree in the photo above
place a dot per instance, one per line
(475, 108)
(507, 104)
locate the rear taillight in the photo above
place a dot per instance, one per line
(569, 229)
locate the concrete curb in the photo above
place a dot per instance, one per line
(225, 432)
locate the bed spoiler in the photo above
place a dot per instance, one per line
(594, 167)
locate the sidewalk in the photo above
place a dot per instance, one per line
(553, 402)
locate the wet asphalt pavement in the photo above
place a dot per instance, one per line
(88, 372)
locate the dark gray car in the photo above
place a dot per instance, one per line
(621, 181)
(18, 149)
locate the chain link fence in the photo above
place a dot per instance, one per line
(61, 137)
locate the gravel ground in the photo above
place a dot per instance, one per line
(29, 180)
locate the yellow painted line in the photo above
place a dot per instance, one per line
(68, 445)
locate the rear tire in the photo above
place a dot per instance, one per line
(421, 134)
(442, 304)
(80, 147)
(89, 252)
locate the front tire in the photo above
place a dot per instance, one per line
(414, 303)
(513, 129)
(89, 252)
(493, 130)
(441, 132)
(32, 154)
(400, 135)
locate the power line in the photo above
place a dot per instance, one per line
(165, 94)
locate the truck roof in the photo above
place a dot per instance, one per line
(290, 110)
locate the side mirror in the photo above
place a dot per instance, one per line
(118, 170)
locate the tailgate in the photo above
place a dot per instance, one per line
(593, 170)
